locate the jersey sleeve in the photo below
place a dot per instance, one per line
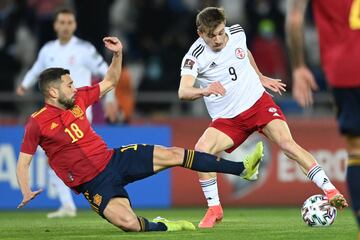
(31, 138)
(237, 32)
(89, 95)
(32, 75)
(95, 62)
(189, 66)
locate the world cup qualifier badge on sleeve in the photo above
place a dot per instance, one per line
(188, 63)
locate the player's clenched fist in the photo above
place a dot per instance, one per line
(113, 44)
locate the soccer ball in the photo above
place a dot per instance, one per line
(317, 211)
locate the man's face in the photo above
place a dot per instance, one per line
(66, 96)
(217, 39)
(65, 25)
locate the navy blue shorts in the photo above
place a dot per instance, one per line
(347, 102)
(128, 164)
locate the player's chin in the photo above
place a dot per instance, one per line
(217, 48)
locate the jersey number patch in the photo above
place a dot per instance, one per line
(75, 133)
(354, 17)
(232, 73)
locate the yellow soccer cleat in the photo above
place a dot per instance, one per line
(179, 225)
(252, 163)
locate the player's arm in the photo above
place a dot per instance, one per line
(97, 65)
(22, 173)
(113, 73)
(32, 75)
(303, 80)
(187, 91)
(274, 85)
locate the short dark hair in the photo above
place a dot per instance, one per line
(209, 18)
(63, 11)
(50, 76)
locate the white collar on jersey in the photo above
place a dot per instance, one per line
(72, 40)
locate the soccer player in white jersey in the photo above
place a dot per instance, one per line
(233, 90)
(83, 61)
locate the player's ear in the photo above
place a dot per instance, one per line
(53, 92)
(199, 33)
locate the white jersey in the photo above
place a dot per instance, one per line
(78, 56)
(231, 67)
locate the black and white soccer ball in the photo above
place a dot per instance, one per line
(317, 211)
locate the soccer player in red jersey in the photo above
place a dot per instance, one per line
(83, 161)
(338, 26)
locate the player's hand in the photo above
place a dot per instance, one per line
(113, 44)
(273, 84)
(303, 85)
(28, 197)
(20, 91)
(214, 88)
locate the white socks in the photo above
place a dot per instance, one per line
(210, 190)
(318, 176)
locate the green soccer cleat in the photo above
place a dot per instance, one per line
(252, 163)
(179, 225)
(336, 199)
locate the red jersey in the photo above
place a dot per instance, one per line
(76, 153)
(338, 25)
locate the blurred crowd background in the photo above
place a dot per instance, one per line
(156, 35)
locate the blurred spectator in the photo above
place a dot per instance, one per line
(124, 93)
(269, 51)
(258, 10)
(10, 65)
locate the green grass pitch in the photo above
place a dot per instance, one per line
(239, 223)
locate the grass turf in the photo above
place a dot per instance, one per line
(239, 223)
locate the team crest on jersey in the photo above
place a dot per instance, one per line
(188, 63)
(239, 53)
(97, 199)
(77, 111)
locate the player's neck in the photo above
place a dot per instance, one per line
(226, 39)
(64, 41)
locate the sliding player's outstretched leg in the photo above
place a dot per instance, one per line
(204, 162)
